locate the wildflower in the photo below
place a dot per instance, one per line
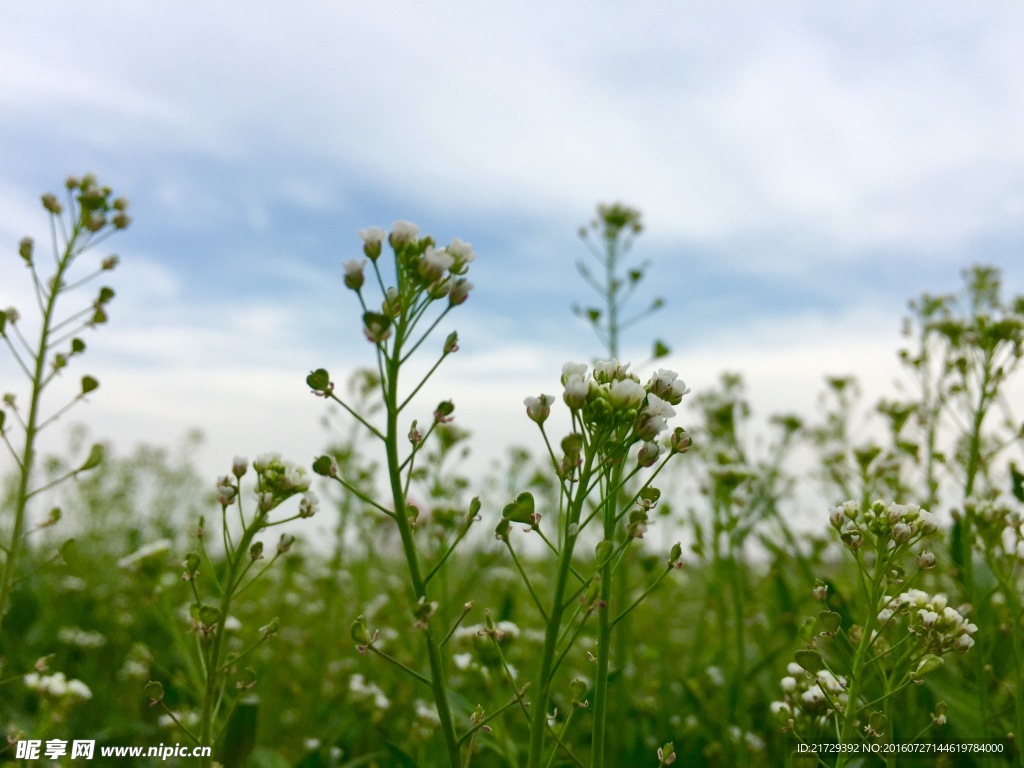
(372, 239)
(576, 390)
(539, 408)
(402, 233)
(309, 505)
(571, 370)
(462, 253)
(434, 263)
(667, 385)
(460, 292)
(606, 371)
(625, 393)
(264, 460)
(354, 277)
(158, 547)
(653, 418)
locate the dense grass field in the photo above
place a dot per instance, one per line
(538, 616)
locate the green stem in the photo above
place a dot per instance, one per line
(31, 426)
(538, 723)
(849, 723)
(437, 672)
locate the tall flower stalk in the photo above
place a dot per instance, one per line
(425, 279)
(89, 216)
(616, 423)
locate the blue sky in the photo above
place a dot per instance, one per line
(803, 169)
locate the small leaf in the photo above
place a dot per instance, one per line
(89, 384)
(1015, 476)
(106, 294)
(77, 346)
(660, 349)
(94, 459)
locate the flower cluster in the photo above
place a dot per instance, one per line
(810, 698)
(612, 395)
(422, 268)
(999, 527)
(58, 686)
(939, 627)
(881, 524)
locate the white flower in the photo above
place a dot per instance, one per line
(296, 479)
(626, 393)
(570, 370)
(576, 390)
(462, 660)
(668, 385)
(963, 643)
(539, 408)
(354, 277)
(373, 235)
(309, 505)
(813, 696)
(239, 465)
(460, 292)
(463, 254)
(610, 370)
(788, 684)
(264, 460)
(403, 232)
(928, 618)
(159, 547)
(434, 263)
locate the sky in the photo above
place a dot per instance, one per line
(803, 169)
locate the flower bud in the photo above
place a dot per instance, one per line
(460, 292)
(284, 544)
(372, 239)
(354, 277)
(648, 454)
(539, 408)
(271, 629)
(25, 250)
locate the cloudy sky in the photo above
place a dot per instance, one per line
(803, 169)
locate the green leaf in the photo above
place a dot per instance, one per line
(1016, 478)
(660, 349)
(94, 459)
(89, 384)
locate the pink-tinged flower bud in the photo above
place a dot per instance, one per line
(239, 466)
(460, 292)
(376, 327)
(539, 408)
(463, 254)
(648, 454)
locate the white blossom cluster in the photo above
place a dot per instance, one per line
(883, 523)
(809, 697)
(58, 686)
(368, 693)
(940, 627)
(612, 392)
(440, 270)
